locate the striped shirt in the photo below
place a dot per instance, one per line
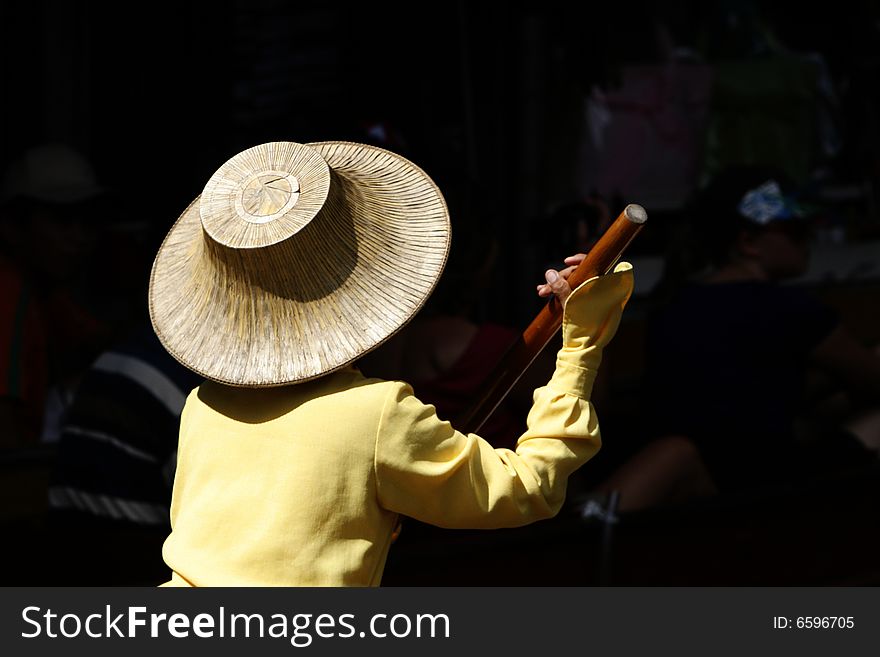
(118, 444)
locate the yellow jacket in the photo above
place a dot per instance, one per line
(302, 485)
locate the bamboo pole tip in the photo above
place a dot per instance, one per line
(635, 213)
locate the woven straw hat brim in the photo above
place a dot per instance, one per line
(316, 301)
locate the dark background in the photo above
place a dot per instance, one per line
(485, 96)
(489, 99)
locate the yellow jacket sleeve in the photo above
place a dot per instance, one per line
(427, 470)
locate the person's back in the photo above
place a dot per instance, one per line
(273, 448)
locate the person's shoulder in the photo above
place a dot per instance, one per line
(796, 298)
(374, 400)
(376, 386)
(684, 300)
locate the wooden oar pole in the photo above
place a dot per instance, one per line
(600, 260)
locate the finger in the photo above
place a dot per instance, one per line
(576, 259)
(568, 271)
(558, 285)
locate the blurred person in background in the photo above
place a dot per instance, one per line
(49, 224)
(110, 490)
(729, 352)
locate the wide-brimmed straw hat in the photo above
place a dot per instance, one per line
(296, 260)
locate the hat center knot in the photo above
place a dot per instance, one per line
(268, 195)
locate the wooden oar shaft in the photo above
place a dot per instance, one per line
(600, 260)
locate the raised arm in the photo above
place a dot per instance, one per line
(427, 470)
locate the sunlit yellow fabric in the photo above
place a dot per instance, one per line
(301, 485)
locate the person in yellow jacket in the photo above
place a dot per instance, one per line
(293, 467)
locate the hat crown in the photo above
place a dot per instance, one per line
(264, 195)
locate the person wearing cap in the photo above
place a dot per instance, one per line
(48, 197)
(729, 351)
(293, 468)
